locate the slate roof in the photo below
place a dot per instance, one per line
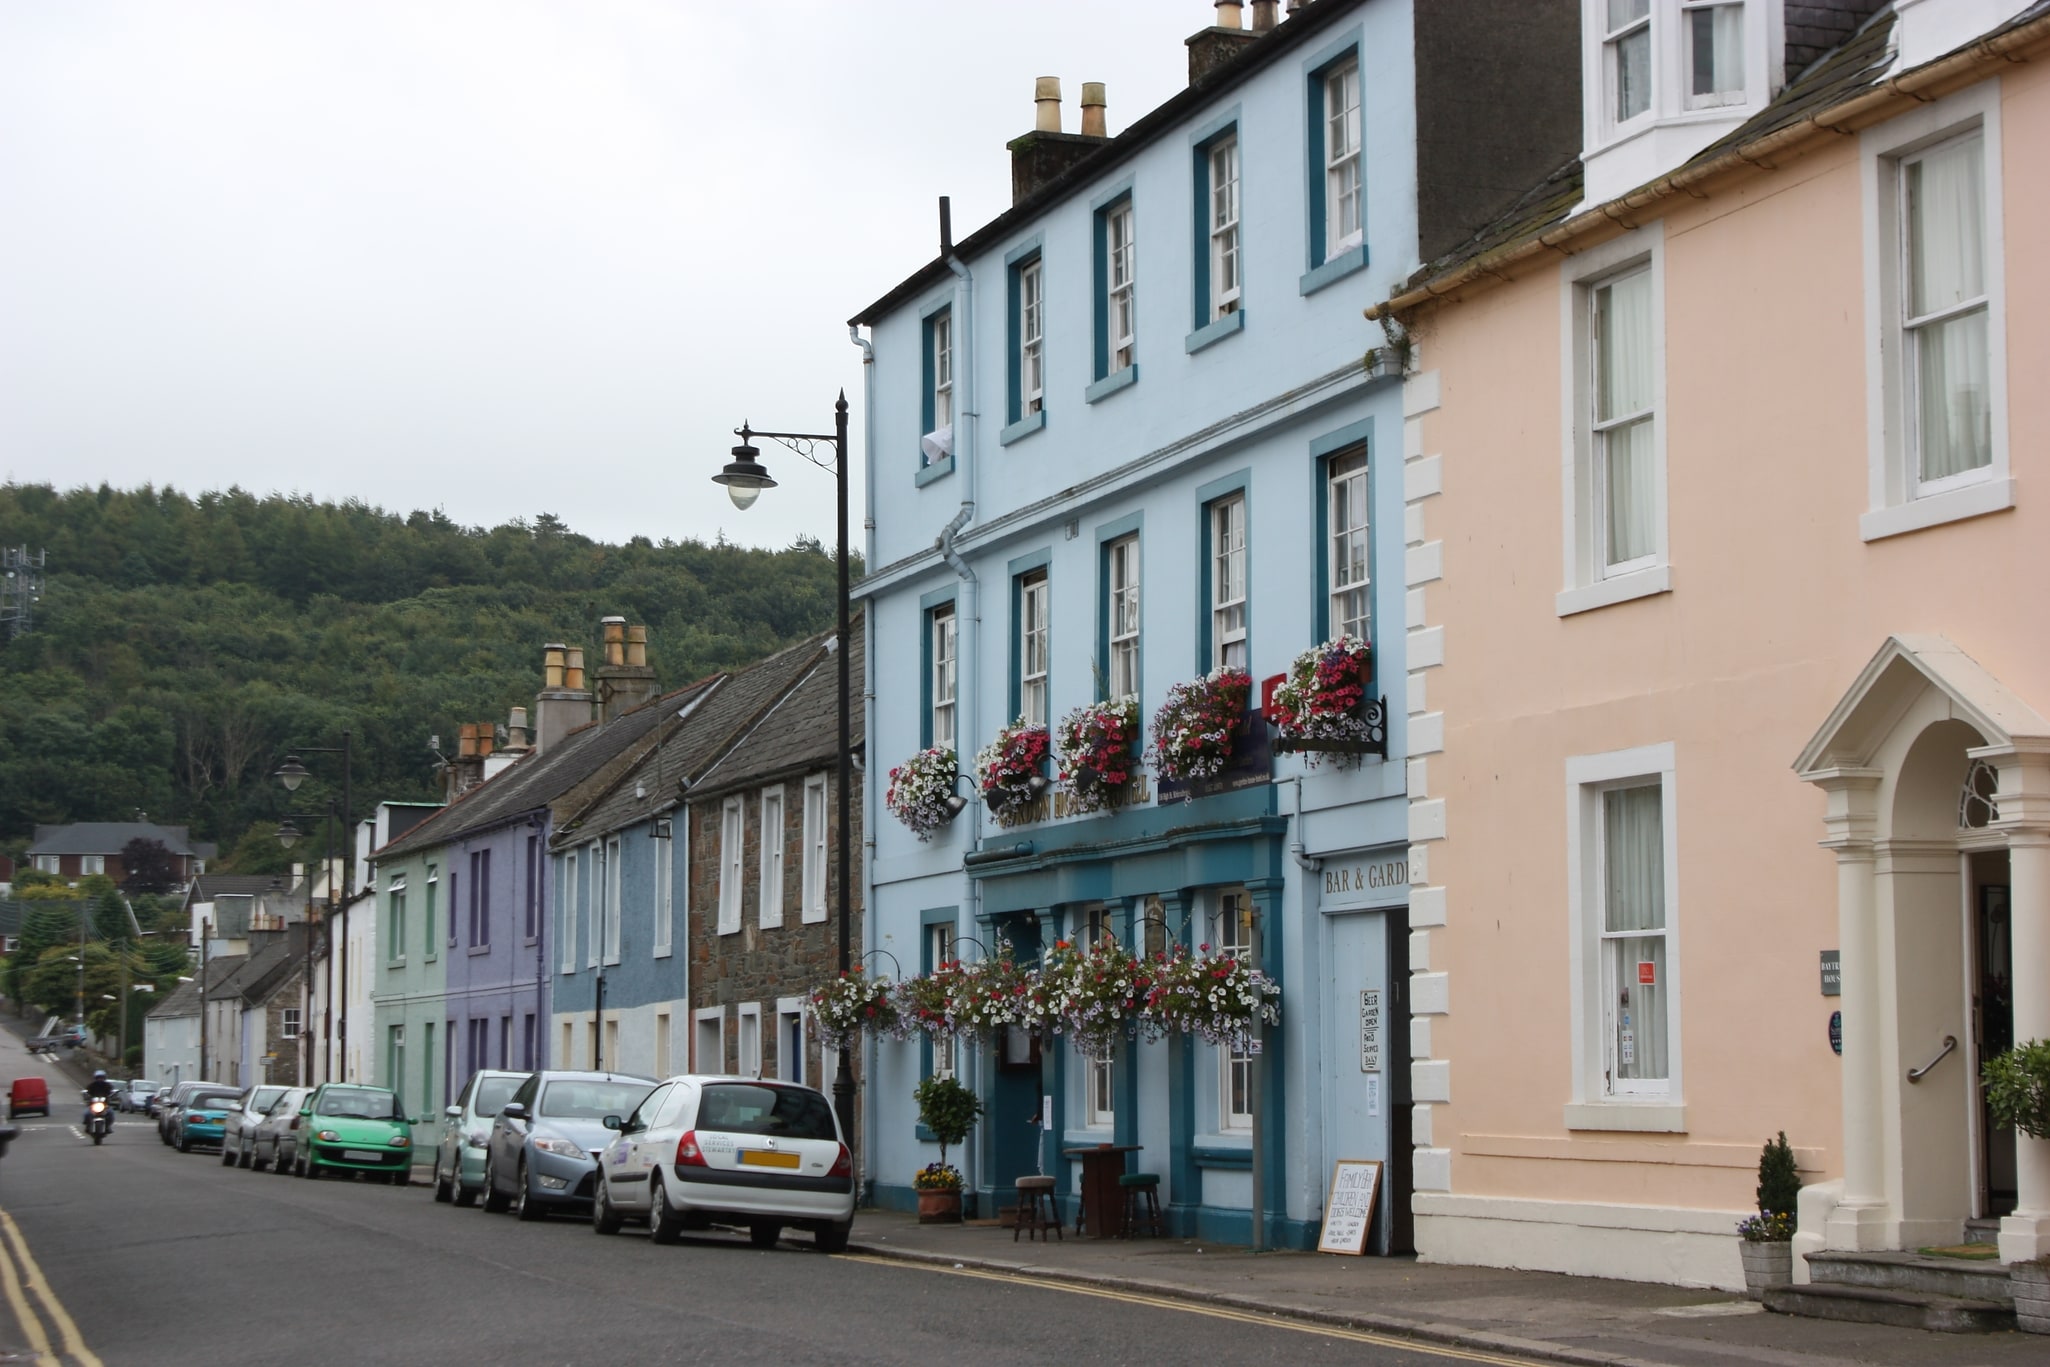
(800, 732)
(254, 976)
(689, 746)
(535, 780)
(110, 837)
(219, 971)
(209, 886)
(183, 1002)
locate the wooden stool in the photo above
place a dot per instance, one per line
(1142, 1203)
(1036, 1209)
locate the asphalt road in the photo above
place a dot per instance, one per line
(165, 1259)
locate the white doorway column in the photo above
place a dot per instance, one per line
(1862, 1219)
(2024, 802)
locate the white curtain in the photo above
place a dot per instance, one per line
(1946, 193)
(1623, 390)
(1717, 38)
(1633, 924)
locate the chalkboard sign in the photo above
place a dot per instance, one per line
(1349, 1211)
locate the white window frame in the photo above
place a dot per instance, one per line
(1121, 250)
(1597, 1105)
(50, 863)
(714, 1016)
(1031, 337)
(748, 1062)
(1612, 39)
(664, 936)
(1589, 580)
(614, 910)
(1227, 279)
(1896, 500)
(1233, 1065)
(1348, 474)
(732, 868)
(1713, 99)
(1343, 174)
(594, 923)
(946, 643)
(816, 825)
(665, 1028)
(1035, 597)
(1122, 565)
(1231, 611)
(775, 831)
(89, 864)
(942, 370)
(789, 1014)
(942, 944)
(396, 903)
(569, 890)
(288, 1023)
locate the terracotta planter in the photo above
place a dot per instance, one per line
(2031, 1283)
(1766, 1265)
(939, 1207)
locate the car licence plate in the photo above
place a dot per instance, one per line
(763, 1158)
(362, 1156)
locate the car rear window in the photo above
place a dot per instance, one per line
(361, 1104)
(494, 1092)
(215, 1101)
(750, 1108)
(591, 1098)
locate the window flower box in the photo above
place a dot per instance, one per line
(919, 791)
(1096, 759)
(1195, 728)
(1326, 705)
(1011, 770)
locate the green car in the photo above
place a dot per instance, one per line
(344, 1127)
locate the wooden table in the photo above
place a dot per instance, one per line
(1103, 1200)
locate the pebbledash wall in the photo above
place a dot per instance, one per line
(1803, 609)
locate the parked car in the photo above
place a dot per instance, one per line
(466, 1132)
(274, 1143)
(726, 1150)
(346, 1127)
(542, 1152)
(243, 1120)
(28, 1096)
(134, 1096)
(203, 1116)
(169, 1102)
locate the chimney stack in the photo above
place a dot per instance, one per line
(1046, 153)
(625, 680)
(563, 703)
(1214, 48)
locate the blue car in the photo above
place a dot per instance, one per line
(204, 1118)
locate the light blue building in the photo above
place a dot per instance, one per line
(1124, 434)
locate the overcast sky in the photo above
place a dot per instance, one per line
(497, 257)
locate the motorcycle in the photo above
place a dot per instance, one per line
(99, 1118)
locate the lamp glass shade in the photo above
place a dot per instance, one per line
(744, 477)
(292, 773)
(743, 495)
(288, 834)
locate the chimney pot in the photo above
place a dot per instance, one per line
(1264, 15)
(1046, 99)
(552, 657)
(466, 744)
(637, 646)
(615, 639)
(1093, 110)
(573, 669)
(487, 739)
(1230, 14)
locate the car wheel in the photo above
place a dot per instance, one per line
(665, 1226)
(496, 1202)
(227, 1155)
(524, 1206)
(444, 1190)
(604, 1219)
(184, 1143)
(764, 1233)
(465, 1196)
(246, 1155)
(833, 1238)
(257, 1162)
(309, 1169)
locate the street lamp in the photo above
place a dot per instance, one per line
(291, 774)
(745, 478)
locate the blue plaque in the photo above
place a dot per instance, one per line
(1836, 1032)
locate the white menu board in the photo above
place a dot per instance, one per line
(1349, 1210)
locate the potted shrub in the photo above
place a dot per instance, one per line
(2017, 1085)
(1195, 728)
(1320, 707)
(949, 1111)
(1011, 769)
(919, 791)
(1096, 751)
(1768, 1236)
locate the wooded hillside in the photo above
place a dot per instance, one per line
(183, 644)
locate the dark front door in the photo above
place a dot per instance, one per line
(1015, 1089)
(1993, 1032)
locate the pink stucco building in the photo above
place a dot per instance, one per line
(1726, 524)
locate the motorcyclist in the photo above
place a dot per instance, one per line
(101, 1087)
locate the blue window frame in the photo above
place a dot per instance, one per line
(1224, 625)
(1120, 607)
(1335, 198)
(1217, 257)
(1114, 342)
(936, 392)
(936, 938)
(1031, 681)
(1343, 593)
(1025, 342)
(939, 670)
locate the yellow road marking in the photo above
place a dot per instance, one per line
(1277, 1320)
(74, 1342)
(38, 1341)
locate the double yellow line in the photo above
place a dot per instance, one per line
(22, 1279)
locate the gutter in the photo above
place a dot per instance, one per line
(1894, 95)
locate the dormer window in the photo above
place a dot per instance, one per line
(1626, 58)
(1714, 32)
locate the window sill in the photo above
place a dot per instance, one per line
(1955, 505)
(1223, 1156)
(939, 469)
(1347, 262)
(399, 962)
(728, 930)
(1633, 1117)
(661, 953)
(1024, 427)
(1608, 592)
(1112, 383)
(1212, 333)
(480, 949)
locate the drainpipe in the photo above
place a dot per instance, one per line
(868, 721)
(1295, 846)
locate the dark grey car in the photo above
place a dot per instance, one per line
(275, 1143)
(243, 1120)
(541, 1155)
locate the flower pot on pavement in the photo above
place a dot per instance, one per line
(1766, 1265)
(939, 1207)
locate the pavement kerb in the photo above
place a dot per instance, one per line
(1425, 1331)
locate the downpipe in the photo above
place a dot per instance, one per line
(866, 1180)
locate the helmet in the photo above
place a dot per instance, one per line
(99, 1073)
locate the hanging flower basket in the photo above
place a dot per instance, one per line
(1096, 994)
(1195, 728)
(1321, 706)
(1096, 751)
(959, 998)
(1213, 996)
(843, 1007)
(919, 789)
(1012, 768)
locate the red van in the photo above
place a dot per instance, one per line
(28, 1094)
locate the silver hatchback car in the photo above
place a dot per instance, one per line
(466, 1134)
(700, 1151)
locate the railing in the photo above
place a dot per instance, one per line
(1917, 1074)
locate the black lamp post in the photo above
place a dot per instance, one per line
(291, 774)
(745, 478)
